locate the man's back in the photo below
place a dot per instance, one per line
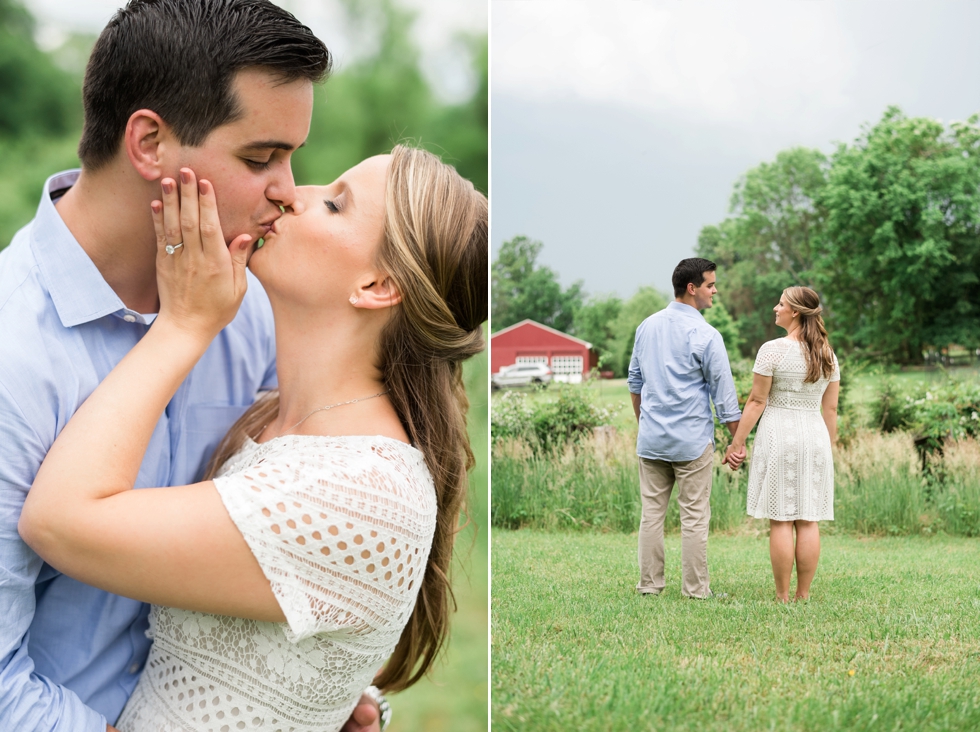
(679, 366)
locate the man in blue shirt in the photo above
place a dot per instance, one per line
(679, 363)
(224, 87)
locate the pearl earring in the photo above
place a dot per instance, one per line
(353, 299)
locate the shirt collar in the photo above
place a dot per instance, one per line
(77, 288)
(684, 309)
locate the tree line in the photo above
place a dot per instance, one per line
(886, 229)
(523, 289)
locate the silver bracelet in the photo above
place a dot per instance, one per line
(383, 706)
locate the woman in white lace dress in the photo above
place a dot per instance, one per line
(319, 552)
(791, 472)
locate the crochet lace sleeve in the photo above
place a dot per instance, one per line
(343, 536)
(835, 375)
(767, 358)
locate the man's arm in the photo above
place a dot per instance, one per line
(721, 386)
(28, 702)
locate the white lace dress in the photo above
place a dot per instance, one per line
(341, 527)
(791, 471)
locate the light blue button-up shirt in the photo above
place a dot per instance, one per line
(678, 363)
(70, 655)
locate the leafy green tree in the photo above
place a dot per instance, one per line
(767, 244)
(644, 303)
(594, 322)
(36, 97)
(367, 107)
(719, 317)
(521, 289)
(462, 130)
(899, 255)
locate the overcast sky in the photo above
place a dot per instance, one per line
(618, 128)
(437, 24)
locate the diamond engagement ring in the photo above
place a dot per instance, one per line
(171, 248)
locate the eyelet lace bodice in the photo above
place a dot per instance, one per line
(791, 471)
(341, 528)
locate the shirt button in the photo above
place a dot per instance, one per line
(129, 318)
(134, 669)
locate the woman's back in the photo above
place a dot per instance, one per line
(791, 473)
(341, 527)
(783, 359)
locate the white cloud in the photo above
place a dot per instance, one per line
(725, 60)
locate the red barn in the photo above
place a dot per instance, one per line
(570, 358)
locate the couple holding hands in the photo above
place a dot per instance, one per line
(296, 549)
(678, 368)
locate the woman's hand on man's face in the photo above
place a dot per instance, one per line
(201, 280)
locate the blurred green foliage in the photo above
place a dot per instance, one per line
(364, 109)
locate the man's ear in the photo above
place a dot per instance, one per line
(375, 294)
(145, 141)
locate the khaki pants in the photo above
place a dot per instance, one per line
(693, 478)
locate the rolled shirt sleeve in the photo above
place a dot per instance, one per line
(634, 379)
(718, 375)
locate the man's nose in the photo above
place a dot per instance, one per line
(282, 188)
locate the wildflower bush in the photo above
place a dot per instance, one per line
(547, 424)
(937, 413)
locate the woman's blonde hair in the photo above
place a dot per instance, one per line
(817, 352)
(435, 250)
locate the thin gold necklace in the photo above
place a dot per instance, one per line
(323, 409)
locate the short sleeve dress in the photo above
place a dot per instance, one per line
(791, 471)
(342, 528)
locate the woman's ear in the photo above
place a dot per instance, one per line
(376, 294)
(144, 143)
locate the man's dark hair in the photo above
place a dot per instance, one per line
(690, 270)
(179, 58)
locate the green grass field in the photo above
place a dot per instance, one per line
(454, 695)
(889, 641)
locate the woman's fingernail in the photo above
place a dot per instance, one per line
(185, 176)
(202, 187)
(168, 186)
(156, 206)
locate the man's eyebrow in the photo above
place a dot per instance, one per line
(271, 145)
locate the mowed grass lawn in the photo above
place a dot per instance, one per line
(889, 641)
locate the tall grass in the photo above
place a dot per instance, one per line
(591, 484)
(880, 487)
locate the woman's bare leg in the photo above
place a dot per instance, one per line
(781, 555)
(807, 556)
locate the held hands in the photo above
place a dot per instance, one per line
(734, 456)
(366, 717)
(201, 281)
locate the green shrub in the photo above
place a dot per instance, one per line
(547, 424)
(936, 412)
